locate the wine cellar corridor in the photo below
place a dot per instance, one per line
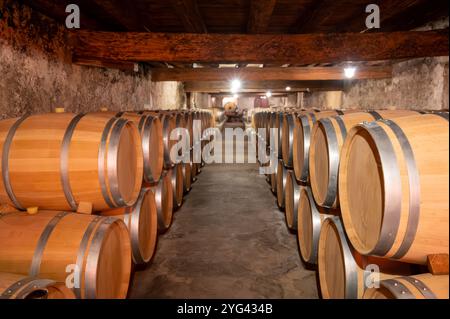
(228, 240)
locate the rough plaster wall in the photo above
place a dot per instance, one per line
(200, 100)
(415, 84)
(246, 102)
(37, 74)
(167, 95)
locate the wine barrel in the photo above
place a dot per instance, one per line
(187, 177)
(152, 143)
(176, 176)
(292, 196)
(164, 202)
(327, 138)
(150, 130)
(189, 126)
(281, 183)
(274, 178)
(141, 220)
(423, 286)
(345, 274)
(55, 161)
(168, 124)
(230, 107)
(13, 286)
(301, 141)
(279, 126)
(289, 123)
(394, 187)
(45, 244)
(310, 219)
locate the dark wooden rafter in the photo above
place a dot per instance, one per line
(57, 10)
(259, 17)
(291, 49)
(188, 12)
(260, 74)
(417, 15)
(398, 15)
(120, 65)
(315, 13)
(122, 12)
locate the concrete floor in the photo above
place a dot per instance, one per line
(229, 240)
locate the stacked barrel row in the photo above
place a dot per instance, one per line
(84, 197)
(367, 194)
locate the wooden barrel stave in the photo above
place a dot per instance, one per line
(413, 202)
(142, 222)
(13, 286)
(327, 138)
(342, 270)
(56, 161)
(423, 286)
(44, 245)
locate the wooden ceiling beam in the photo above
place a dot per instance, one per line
(260, 74)
(248, 94)
(264, 86)
(398, 15)
(239, 48)
(188, 12)
(260, 13)
(120, 65)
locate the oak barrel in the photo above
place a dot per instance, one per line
(141, 220)
(164, 202)
(301, 139)
(343, 273)
(292, 196)
(327, 138)
(287, 138)
(65, 247)
(281, 183)
(176, 176)
(13, 286)
(187, 177)
(394, 187)
(423, 286)
(310, 218)
(56, 161)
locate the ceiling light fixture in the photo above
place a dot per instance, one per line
(235, 85)
(349, 72)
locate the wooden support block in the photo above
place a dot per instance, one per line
(438, 264)
(84, 208)
(32, 210)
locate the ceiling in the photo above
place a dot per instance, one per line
(233, 16)
(243, 17)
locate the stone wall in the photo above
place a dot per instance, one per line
(415, 84)
(37, 74)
